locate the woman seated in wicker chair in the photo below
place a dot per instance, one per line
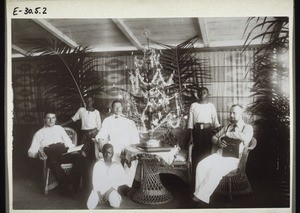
(210, 170)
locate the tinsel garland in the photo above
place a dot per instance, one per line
(156, 110)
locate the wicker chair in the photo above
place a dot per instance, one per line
(182, 165)
(185, 167)
(49, 179)
(236, 182)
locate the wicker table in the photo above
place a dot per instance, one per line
(151, 190)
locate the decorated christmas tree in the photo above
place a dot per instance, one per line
(150, 102)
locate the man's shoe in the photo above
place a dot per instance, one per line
(197, 203)
(123, 190)
(65, 191)
(136, 184)
(201, 204)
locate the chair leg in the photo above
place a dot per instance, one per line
(230, 188)
(189, 175)
(46, 182)
(251, 192)
(250, 188)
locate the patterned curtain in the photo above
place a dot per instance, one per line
(114, 72)
(231, 80)
(26, 95)
(229, 84)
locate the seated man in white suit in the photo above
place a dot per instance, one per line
(211, 169)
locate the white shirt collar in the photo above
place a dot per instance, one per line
(113, 160)
(117, 116)
(45, 126)
(240, 124)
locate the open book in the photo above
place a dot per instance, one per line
(74, 149)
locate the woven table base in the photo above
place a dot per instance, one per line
(152, 197)
(151, 190)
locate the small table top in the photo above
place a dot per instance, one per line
(166, 153)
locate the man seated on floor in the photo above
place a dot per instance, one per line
(120, 132)
(211, 169)
(50, 143)
(108, 176)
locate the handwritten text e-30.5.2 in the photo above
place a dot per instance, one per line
(27, 10)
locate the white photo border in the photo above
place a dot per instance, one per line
(142, 9)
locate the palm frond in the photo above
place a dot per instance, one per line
(66, 74)
(273, 27)
(270, 105)
(189, 70)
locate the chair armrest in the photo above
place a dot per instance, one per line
(98, 153)
(252, 144)
(233, 172)
(214, 148)
(190, 149)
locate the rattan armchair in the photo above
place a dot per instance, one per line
(49, 179)
(236, 182)
(182, 165)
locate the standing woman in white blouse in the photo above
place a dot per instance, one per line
(202, 121)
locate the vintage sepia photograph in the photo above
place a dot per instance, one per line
(182, 113)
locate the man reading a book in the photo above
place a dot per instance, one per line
(230, 141)
(51, 143)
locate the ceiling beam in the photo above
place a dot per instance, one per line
(19, 49)
(56, 32)
(233, 43)
(203, 30)
(127, 32)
